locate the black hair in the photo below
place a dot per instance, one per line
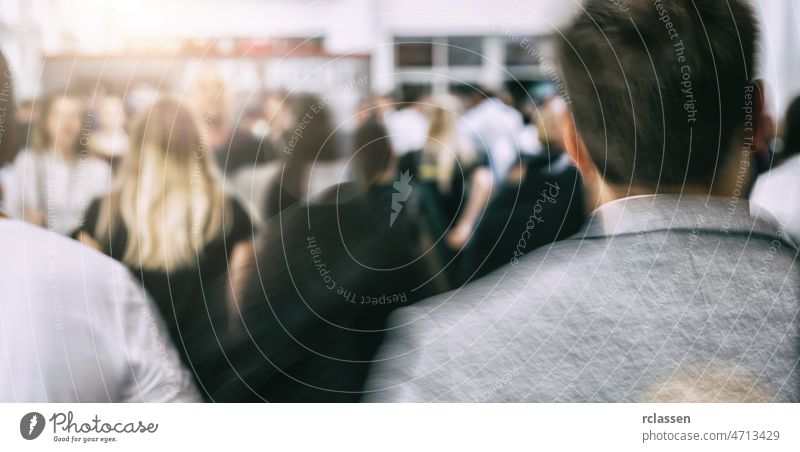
(659, 88)
(791, 135)
(373, 150)
(312, 139)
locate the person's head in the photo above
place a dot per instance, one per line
(444, 112)
(275, 112)
(209, 97)
(548, 123)
(661, 94)
(111, 113)
(8, 130)
(410, 96)
(62, 125)
(311, 134)
(791, 129)
(444, 144)
(506, 97)
(27, 112)
(310, 139)
(166, 193)
(473, 94)
(366, 108)
(373, 155)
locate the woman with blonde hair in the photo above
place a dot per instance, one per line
(168, 220)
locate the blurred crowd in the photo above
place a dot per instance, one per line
(470, 154)
(412, 196)
(275, 240)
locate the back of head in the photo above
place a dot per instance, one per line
(167, 193)
(410, 95)
(659, 89)
(167, 129)
(547, 119)
(444, 145)
(373, 150)
(309, 140)
(472, 94)
(209, 96)
(311, 136)
(444, 111)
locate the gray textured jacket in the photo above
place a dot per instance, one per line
(659, 298)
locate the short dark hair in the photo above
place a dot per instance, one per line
(409, 94)
(373, 150)
(313, 138)
(659, 87)
(791, 124)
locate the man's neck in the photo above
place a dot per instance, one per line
(605, 193)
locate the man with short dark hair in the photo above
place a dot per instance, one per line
(671, 284)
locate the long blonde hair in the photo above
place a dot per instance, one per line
(167, 193)
(444, 144)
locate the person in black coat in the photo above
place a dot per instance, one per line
(541, 201)
(315, 296)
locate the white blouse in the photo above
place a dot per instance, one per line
(58, 189)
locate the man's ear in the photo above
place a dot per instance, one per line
(573, 144)
(763, 125)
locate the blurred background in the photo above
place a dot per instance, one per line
(373, 153)
(121, 46)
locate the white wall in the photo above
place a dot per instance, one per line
(780, 51)
(474, 16)
(30, 27)
(347, 25)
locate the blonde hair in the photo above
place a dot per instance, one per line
(167, 193)
(444, 144)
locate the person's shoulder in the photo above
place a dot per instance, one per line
(792, 165)
(520, 275)
(436, 342)
(67, 249)
(20, 172)
(237, 208)
(242, 220)
(71, 261)
(27, 157)
(542, 273)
